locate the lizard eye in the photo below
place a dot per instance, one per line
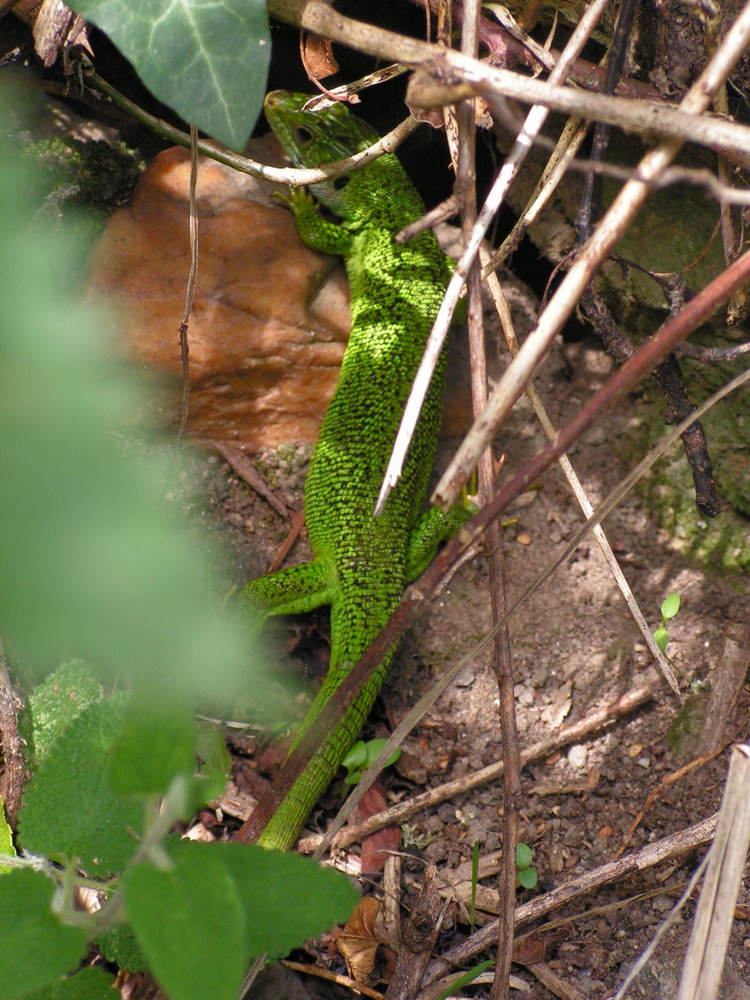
(303, 134)
(341, 182)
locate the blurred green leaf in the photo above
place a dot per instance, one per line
(157, 742)
(94, 563)
(214, 762)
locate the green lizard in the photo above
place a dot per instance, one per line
(361, 565)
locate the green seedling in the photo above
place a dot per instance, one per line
(526, 874)
(361, 756)
(669, 608)
(474, 880)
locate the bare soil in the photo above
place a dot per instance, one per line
(574, 649)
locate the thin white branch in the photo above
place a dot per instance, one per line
(521, 147)
(704, 962)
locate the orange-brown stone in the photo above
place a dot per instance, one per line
(265, 349)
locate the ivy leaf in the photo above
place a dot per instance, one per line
(207, 61)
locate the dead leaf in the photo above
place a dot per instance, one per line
(358, 943)
(318, 58)
(556, 711)
(535, 946)
(378, 846)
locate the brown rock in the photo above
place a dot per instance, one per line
(265, 349)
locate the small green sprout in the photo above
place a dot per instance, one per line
(362, 755)
(669, 608)
(474, 880)
(526, 875)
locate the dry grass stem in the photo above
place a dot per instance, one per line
(575, 483)
(704, 961)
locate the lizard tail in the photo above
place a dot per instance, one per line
(284, 827)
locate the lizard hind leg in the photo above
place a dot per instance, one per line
(433, 528)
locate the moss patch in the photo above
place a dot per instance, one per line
(722, 543)
(94, 173)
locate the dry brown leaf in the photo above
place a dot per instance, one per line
(358, 942)
(379, 845)
(317, 55)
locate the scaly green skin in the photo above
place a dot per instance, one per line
(361, 565)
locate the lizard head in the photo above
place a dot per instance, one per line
(314, 137)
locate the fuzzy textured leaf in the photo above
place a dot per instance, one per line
(54, 704)
(190, 923)
(88, 984)
(287, 898)
(120, 946)
(70, 812)
(157, 742)
(207, 61)
(28, 927)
